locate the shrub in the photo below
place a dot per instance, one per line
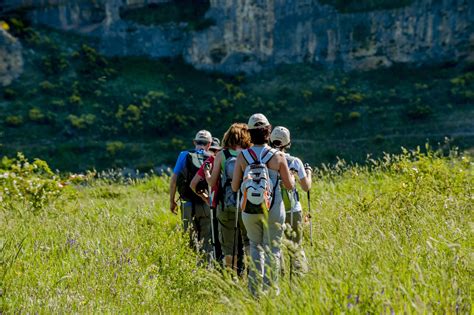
(114, 147)
(9, 94)
(35, 114)
(356, 97)
(75, 99)
(57, 103)
(14, 120)
(354, 116)
(329, 90)
(32, 185)
(47, 86)
(337, 118)
(82, 122)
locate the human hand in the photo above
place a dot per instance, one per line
(173, 207)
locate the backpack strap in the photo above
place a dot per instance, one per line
(227, 155)
(249, 157)
(268, 154)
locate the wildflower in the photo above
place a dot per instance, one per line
(4, 25)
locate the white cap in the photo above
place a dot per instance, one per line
(280, 134)
(203, 135)
(257, 121)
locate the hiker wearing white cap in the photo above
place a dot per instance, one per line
(280, 139)
(257, 174)
(195, 212)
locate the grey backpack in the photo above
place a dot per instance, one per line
(229, 197)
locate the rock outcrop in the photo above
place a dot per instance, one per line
(251, 35)
(11, 58)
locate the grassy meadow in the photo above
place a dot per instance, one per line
(393, 236)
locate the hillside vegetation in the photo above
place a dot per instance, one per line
(80, 110)
(394, 236)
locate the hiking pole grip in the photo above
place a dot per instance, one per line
(235, 227)
(310, 219)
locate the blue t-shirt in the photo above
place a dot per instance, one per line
(181, 162)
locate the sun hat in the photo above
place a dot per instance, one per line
(280, 136)
(203, 136)
(216, 144)
(258, 121)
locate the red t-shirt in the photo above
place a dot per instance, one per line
(215, 189)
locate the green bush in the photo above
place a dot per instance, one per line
(75, 99)
(83, 121)
(114, 147)
(329, 90)
(354, 116)
(9, 94)
(31, 186)
(14, 120)
(35, 114)
(47, 86)
(338, 118)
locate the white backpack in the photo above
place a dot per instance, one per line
(257, 188)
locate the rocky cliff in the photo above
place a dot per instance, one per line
(251, 35)
(11, 58)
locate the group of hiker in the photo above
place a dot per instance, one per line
(239, 199)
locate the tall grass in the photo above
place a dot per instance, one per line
(392, 236)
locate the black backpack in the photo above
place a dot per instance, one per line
(194, 160)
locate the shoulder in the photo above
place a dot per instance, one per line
(296, 162)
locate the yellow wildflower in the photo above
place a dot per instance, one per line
(4, 25)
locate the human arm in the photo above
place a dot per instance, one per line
(194, 182)
(216, 171)
(238, 172)
(173, 204)
(306, 181)
(180, 163)
(285, 175)
(304, 173)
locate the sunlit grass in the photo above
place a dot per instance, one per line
(393, 237)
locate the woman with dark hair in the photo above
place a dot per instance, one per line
(264, 227)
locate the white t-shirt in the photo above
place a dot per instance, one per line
(296, 166)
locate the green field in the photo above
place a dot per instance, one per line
(80, 110)
(393, 236)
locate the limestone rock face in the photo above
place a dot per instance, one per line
(251, 35)
(11, 59)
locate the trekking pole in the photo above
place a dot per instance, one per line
(235, 227)
(291, 248)
(310, 219)
(211, 197)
